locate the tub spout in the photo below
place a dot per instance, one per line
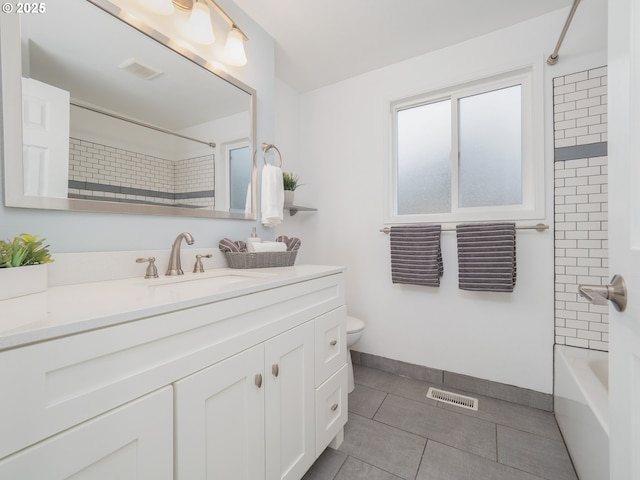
(175, 267)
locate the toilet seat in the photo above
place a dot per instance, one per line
(354, 325)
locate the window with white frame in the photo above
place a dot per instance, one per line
(468, 152)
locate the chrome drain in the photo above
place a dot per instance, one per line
(453, 398)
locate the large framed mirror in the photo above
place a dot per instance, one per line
(102, 113)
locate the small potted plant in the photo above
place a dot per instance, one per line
(290, 182)
(23, 251)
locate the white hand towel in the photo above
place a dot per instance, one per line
(272, 196)
(269, 247)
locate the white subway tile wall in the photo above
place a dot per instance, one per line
(581, 209)
(580, 108)
(105, 165)
(195, 175)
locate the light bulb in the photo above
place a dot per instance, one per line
(234, 49)
(199, 26)
(161, 7)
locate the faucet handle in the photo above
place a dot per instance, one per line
(152, 270)
(198, 267)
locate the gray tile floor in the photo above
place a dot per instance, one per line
(394, 432)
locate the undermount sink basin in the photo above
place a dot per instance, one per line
(219, 278)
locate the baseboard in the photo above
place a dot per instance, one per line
(479, 386)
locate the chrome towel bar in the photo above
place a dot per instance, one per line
(540, 227)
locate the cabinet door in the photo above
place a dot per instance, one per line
(134, 441)
(220, 420)
(289, 403)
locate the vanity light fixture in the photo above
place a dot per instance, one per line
(234, 48)
(161, 7)
(200, 27)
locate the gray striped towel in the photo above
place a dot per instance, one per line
(416, 256)
(292, 243)
(228, 245)
(487, 257)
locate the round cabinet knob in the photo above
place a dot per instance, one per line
(334, 407)
(333, 343)
(275, 370)
(258, 380)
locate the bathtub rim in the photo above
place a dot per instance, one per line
(576, 360)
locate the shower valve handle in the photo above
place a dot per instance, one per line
(616, 292)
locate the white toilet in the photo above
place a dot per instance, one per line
(355, 328)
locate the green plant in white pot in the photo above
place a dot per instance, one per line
(23, 251)
(290, 182)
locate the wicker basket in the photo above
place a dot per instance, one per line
(261, 259)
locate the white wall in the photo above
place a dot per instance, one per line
(343, 158)
(84, 232)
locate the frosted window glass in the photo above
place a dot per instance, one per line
(424, 167)
(490, 148)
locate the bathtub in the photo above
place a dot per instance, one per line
(581, 401)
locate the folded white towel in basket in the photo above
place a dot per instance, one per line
(269, 247)
(272, 198)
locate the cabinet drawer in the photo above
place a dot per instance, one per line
(331, 409)
(331, 343)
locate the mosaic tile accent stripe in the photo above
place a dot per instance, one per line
(580, 151)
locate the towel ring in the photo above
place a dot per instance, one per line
(265, 148)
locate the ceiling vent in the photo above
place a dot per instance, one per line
(139, 69)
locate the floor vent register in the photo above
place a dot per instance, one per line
(453, 398)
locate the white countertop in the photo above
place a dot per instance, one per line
(70, 309)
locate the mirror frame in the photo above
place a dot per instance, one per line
(11, 89)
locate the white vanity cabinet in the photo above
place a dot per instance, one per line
(250, 415)
(227, 387)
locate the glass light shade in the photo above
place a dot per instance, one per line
(199, 26)
(234, 49)
(161, 7)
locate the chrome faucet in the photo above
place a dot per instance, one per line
(175, 268)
